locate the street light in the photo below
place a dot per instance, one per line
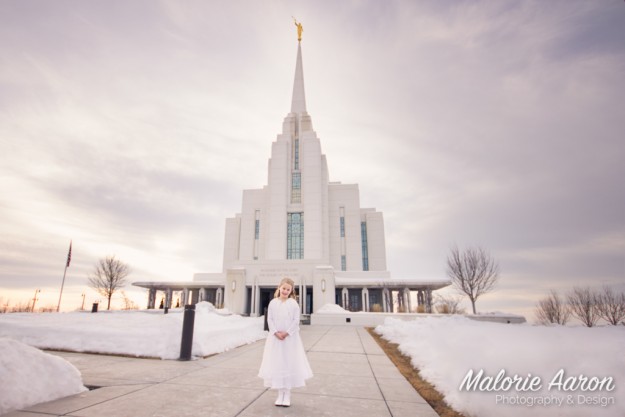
(35, 299)
(82, 307)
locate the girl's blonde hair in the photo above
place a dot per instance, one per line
(288, 281)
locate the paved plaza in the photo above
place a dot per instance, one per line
(353, 378)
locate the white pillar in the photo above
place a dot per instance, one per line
(428, 300)
(303, 296)
(151, 298)
(256, 297)
(219, 296)
(365, 300)
(253, 302)
(386, 301)
(409, 303)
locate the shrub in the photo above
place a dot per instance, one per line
(552, 309)
(611, 306)
(584, 305)
(376, 308)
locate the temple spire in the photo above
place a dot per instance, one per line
(298, 103)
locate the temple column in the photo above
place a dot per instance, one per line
(365, 300)
(408, 300)
(420, 299)
(219, 297)
(428, 301)
(386, 304)
(256, 295)
(345, 298)
(401, 294)
(168, 296)
(253, 300)
(151, 298)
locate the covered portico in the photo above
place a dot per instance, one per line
(385, 295)
(192, 292)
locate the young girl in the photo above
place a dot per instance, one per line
(284, 364)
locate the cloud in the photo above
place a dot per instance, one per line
(133, 127)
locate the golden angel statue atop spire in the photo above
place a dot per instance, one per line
(300, 29)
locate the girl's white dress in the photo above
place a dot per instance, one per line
(284, 364)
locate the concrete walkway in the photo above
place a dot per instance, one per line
(353, 378)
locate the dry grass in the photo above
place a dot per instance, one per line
(424, 388)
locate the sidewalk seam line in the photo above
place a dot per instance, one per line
(373, 372)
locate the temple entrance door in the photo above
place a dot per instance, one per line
(266, 295)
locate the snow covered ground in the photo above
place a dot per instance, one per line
(147, 333)
(29, 376)
(447, 349)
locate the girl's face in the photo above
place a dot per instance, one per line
(285, 290)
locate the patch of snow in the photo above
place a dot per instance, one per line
(136, 333)
(446, 349)
(205, 307)
(30, 376)
(331, 308)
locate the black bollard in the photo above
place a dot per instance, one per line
(186, 344)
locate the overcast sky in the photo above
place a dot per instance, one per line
(131, 128)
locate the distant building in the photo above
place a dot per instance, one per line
(305, 227)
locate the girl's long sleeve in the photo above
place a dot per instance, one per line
(271, 318)
(294, 317)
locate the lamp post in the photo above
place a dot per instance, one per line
(82, 307)
(37, 291)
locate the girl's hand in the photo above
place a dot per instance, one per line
(281, 335)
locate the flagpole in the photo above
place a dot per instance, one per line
(62, 284)
(69, 258)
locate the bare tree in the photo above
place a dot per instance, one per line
(129, 304)
(552, 309)
(611, 306)
(472, 272)
(109, 276)
(584, 305)
(448, 304)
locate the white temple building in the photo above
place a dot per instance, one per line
(303, 226)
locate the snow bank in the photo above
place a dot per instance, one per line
(497, 314)
(331, 309)
(30, 376)
(205, 307)
(144, 333)
(445, 349)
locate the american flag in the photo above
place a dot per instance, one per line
(69, 254)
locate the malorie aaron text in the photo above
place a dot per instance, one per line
(502, 382)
